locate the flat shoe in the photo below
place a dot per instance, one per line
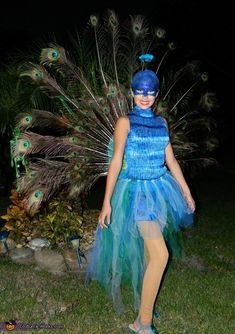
(157, 316)
(149, 329)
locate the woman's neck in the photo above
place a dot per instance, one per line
(148, 112)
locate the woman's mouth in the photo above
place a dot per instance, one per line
(144, 102)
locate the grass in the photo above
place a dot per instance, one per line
(197, 295)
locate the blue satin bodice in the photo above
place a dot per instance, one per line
(144, 155)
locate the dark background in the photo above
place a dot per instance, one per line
(205, 29)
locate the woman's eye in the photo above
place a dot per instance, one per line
(139, 91)
(150, 92)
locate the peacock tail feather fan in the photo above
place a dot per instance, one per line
(70, 145)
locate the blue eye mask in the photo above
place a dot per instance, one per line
(145, 83)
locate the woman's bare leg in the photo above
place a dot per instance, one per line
(157, 258)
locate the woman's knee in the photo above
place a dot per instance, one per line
(158, 251)
(162, 255)
(165, 254)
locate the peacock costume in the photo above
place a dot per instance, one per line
(145, 191)
(67, 143)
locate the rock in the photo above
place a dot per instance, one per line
(50, 260)
(22, 255)
(10, 244)
(38, 243)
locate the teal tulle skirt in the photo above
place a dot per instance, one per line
(117, 257)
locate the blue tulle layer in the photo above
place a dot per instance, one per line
(117, 257)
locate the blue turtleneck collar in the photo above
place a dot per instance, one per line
(143, 112)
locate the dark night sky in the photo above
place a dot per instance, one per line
(203, 27)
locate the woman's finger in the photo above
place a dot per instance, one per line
(107, 220)
(191, 204)
(101, 222)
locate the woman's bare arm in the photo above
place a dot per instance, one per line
(120, 135)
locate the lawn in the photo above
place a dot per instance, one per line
(197, 294)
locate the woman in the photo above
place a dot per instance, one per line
(146, 202)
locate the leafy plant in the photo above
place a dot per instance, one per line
(18, 222)
(57, 222)
(61, 221)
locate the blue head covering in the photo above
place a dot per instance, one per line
(145, 83)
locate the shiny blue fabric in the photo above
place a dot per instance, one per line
(145, 191)
(145, 146)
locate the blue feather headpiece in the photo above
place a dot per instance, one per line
(146, 58)
(145, 78)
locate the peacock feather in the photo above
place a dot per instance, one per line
(70, 147)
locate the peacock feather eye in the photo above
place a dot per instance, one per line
(160, 33)
(26, 143)
(113, 21)
(53, 55)
(33, 173)
(37, 194)
(85, 159)
(130, 93)
(136, 29)
(204, 76)
(171, 46)
(121, 104)
(162, 106)
(80, 129)
(91, 103)
(93, 20)
(101, 100)
(73, 140)
(106, 110)
(208, 101)
(74, 155)
(36, 75)
(112, 92)
(78, 165)
(26, 120)
(88, 141)
(138, 26)
(193, 68)
(82, 173)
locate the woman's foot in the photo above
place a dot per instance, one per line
(142, 328)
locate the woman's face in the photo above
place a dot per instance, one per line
(143, 100)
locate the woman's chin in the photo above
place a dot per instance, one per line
(144, 105)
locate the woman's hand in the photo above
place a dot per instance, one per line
(190, 201)
(104, 217)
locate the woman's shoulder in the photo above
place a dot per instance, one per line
(123, 117)
(123, 122)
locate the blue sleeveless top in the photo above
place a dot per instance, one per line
(144, 155)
